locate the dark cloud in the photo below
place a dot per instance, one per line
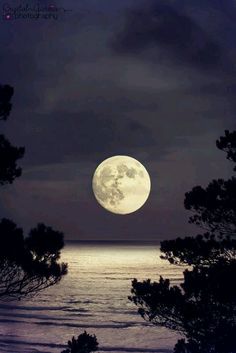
(157, 24)
(85, 135)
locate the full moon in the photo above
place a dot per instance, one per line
(121, 184)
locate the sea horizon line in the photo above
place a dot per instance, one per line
(113, 241)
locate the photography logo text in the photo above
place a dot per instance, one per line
(33, 12)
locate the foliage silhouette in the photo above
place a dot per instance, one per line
(85, 343)
(8, 153)
(203, 307)
(214, 208)
(8, 157)
(27, 265)
(227, 144)
(202, 250)
(6, 93)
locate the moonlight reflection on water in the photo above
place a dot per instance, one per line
(92, 297)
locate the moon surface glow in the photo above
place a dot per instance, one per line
(121, 184)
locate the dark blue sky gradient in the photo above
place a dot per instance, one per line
(151, 79)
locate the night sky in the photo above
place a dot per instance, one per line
(155, 80)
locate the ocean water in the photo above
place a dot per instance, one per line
(92, 297)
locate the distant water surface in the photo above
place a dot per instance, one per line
(92, 297)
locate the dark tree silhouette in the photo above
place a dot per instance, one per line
(85, 343)
(27, 265)
(8, 157)
(8, 153)
(203, 307)
(6, 93)
(214, 208)
(202, 250)
(227, 144)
